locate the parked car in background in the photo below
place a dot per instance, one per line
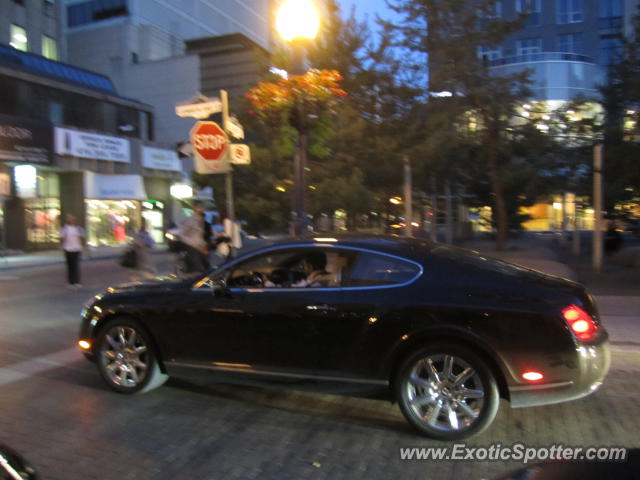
(445, 332)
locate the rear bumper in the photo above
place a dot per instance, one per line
(592, 363)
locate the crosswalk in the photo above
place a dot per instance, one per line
(34, 366)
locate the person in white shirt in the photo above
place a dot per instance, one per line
(72, 239)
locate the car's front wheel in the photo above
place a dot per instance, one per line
(447, 392)
(126, 358)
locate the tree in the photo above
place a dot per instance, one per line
(622, 124)
(452, 32)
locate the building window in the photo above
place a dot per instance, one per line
(611, 14)
(496, 10)
(95, 10)
(49, 48)
(611, 8)
(611, 47)
(18, 38)
(570, 43)
(489, 53)
(527, 46)
(569, 11)
(492, 11)
(49, 8)
(533, 9)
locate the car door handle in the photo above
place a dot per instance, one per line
(321, 308)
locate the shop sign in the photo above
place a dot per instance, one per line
(25, 141)
(113, 187)
(76, 143)
(160, 159)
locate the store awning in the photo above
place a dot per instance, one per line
(113, 187)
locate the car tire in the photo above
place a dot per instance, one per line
(126, 357)
(447, 392)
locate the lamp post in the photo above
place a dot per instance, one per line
(298, 22)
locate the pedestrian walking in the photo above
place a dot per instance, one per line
(143, 245)
(72, 240)
(192, 235)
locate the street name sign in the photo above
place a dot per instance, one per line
(234, 128)
(199, 107)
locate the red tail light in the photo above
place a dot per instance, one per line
(580, 322)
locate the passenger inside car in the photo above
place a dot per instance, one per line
(317, 276)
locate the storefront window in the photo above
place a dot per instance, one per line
(42, 220)
(42, 212)
(153, 213)
(112, 222)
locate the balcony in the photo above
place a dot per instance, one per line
(554, 75)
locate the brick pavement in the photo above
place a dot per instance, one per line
(69, 426)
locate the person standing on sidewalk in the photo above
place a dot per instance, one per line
(72, 240)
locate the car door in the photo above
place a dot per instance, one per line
(209, 327)
(283, 314)
(370, 313)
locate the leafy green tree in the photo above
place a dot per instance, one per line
(622, 125)
(451, 32)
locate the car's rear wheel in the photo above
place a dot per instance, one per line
(126, 357)
(447, 392)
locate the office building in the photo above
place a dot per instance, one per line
(156, 50)
(70, 143)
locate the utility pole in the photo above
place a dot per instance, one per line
(433, 231)
(408, 198)
(228, 185)
(576, 227)
(449, 212)
(597, 207)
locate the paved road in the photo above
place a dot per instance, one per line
(57, 412)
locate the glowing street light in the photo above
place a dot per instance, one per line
(297, 19)
(297, 22)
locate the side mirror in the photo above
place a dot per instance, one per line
(219, 288)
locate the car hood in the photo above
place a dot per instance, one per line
(158, 284)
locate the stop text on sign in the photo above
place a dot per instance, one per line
(207, 141)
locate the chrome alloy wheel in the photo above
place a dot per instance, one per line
(445, 392)
(124, 356)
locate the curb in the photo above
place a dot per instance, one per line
(57, 261)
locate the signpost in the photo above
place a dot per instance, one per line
(212, 151)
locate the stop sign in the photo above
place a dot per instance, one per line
(209, 141)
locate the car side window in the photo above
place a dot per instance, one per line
(268, 270)
(304, 267)
(371, 269)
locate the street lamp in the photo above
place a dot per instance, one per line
(297, 22)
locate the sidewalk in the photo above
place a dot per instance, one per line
(51, 257)
(619, 305)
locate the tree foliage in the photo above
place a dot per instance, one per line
(478, 115)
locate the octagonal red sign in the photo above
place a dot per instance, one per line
(209, 141)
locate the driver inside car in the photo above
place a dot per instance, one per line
(314, 268)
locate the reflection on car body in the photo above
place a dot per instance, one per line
(443, 331)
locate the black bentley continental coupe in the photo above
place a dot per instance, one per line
(443, 331)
